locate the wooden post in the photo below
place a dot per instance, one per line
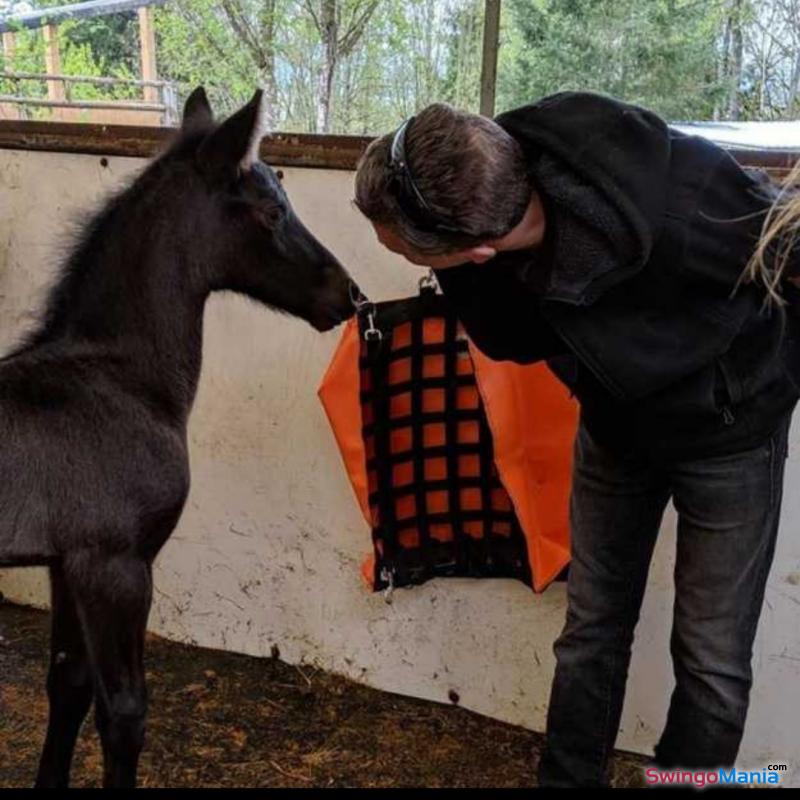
(491, 40)
(52, 66)
(52, 63)
(147, 44)
(9, 49)
(8, 111)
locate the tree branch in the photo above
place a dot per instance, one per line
(355, 30)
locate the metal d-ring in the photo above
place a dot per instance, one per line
(428, 281)
(357, 297)
(387, 575)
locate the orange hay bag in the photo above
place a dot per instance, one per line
(461, 465)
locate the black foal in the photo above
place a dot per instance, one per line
(93, 407)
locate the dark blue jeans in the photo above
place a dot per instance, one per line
(728, 509)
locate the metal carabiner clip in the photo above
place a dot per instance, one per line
(364, 307)
(372, 334)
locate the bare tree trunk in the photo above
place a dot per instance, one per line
(722, 64)
(729, 71)
(338, 41)
(258, 37)
(736, 61)
(329, 33)
(268, 26)
(794, 90)
(791, 16)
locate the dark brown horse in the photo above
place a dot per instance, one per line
(94, 406)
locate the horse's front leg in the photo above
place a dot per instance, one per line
(113, 594)
(69, 686)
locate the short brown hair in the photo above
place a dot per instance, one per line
(468, 169)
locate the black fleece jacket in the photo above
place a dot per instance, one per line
(634, 298)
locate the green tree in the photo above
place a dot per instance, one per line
(389, 58)
(340, 25)
(658, 53)
(360, 66)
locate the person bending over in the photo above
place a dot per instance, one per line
(586, 232)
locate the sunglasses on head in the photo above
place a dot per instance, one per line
(409, 197)
(413, 204)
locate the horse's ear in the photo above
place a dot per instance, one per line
(234, 145)
(197, 111)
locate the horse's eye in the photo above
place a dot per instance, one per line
(269, 216)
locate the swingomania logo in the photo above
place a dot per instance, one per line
(699, 779)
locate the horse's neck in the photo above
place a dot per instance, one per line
(142, 308)
(165, 350)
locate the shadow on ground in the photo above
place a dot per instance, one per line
(219, 719)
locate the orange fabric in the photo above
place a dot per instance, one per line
(532, 421)
(339, 393)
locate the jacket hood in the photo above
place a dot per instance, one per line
(602, 167)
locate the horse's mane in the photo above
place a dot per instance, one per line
(89, 241)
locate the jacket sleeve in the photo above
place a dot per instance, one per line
(499, 314)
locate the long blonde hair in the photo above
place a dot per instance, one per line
(779, 236)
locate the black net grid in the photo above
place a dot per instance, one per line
(437, 503)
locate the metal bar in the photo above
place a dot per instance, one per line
(169, 96)
(56, 14)
(491, 41)
(112, 104)
(37, 76)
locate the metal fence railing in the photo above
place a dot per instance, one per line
(158, 97)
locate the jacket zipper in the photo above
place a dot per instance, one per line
(728, 417)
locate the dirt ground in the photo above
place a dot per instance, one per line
(220, 719)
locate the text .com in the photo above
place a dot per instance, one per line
(769, 775)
